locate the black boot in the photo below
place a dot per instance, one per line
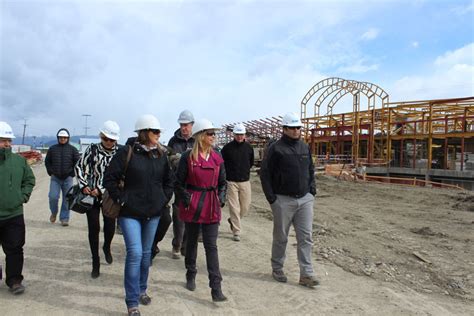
(95, 268)
(190, 283)
(217, 295)
(108, 255)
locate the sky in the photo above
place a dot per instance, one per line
(227, 61)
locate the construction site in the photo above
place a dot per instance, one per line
(392, 226)
(427, 142)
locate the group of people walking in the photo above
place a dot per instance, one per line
(202, 179)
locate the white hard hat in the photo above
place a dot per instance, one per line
(239, 129)
(6, 131)
(185, 117)
(147, 121)
(203, 125)
(111, 130)
(63, 133)
(291, 120)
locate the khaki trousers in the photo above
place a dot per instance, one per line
(239, 195)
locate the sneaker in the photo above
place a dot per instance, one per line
(52, 218)
(17, 289)
(175, 254)
(64, 223)
(144, 299)
(309, 281)
(236, 238)
(279, 275)
(133, 311)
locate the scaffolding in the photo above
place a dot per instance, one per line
(427, 134)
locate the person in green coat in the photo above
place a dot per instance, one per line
(16, 183)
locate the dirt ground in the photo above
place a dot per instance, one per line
(379, 249)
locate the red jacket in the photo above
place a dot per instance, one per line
(201, 188)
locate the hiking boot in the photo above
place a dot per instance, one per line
(218, 296)
(309, 281)
(236, 238)
(52, 218)
(191, 283)
(133, 311)
(279, 275)
(108, 255)
(95, 268)
(17, 289)
(175, 254)
(64, 223)
(144, 299)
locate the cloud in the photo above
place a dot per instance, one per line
(371, 34)
(451, 76)
(463, 55)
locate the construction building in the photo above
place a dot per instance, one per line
(430, 139)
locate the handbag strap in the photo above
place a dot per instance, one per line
(129, 156)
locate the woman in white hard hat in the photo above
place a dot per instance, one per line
(90, 173)
(201, 189)
(149, 184)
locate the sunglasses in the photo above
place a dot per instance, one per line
(293, 127)
(106, 139)
(155, 131)
(211, 133)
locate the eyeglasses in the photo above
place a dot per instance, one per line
(211, 133)
(155, 131)
(293, 127)
(106, 139)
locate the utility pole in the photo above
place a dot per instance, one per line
(85, 127)
(24, 131)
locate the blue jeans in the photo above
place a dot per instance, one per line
(55, 187)
(138, 235)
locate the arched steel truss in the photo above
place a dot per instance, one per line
(330, 91)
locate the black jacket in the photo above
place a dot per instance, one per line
(178, 144)
(287, 169)
(238, 159)
(149, 182)
(60, 160)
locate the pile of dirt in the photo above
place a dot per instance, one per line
(408, 235)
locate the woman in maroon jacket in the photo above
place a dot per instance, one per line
(201, 187)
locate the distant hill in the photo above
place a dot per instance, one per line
(46, 141)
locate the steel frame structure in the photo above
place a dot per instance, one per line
(388, 133)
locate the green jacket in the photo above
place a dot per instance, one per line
(16, 183)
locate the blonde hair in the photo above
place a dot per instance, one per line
(199, 146)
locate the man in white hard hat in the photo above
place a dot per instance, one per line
(179, 143)
(60, 161)
(238, 158)
(287, 177)
(16, 184)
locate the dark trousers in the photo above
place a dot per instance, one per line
(209, 238)
(93, 224)
(163, 225)
(12, 238)
(179, 232)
